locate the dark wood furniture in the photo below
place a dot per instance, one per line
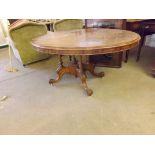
(79, 43)
(106, 60)
(146, 28)
(143, 27)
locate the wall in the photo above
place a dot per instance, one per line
(3, 31)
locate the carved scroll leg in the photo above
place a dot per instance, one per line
(64, 70)
(84, 84)
(83, 78)
(59, 77)
(91, 68)
(60, 71)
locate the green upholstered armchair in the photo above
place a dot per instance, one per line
(21, 34)
(68, 24)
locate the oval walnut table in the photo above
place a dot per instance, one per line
(78, 43)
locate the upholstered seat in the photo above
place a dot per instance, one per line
(21, 33)
(68, 24)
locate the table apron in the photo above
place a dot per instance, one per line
(86, 52)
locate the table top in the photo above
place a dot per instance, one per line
(86, 41)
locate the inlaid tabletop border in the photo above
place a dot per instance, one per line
(39, 45)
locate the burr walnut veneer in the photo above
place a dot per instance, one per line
(79, 43)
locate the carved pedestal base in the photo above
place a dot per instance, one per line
(78, 69)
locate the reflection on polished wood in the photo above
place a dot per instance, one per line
(81, 43)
